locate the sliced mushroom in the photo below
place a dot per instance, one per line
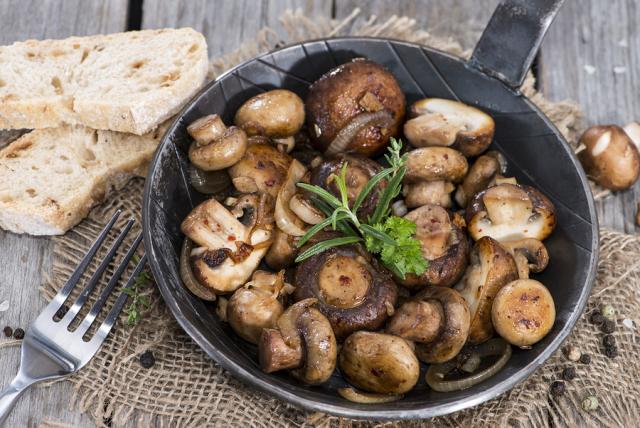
(443, 244)
(282, 252)
(216, 147)
(228, 251)
(435, 164)
(303, 343)
(523, 312)
(428, 192)
(352, 291)
(529, 254)
(437, 319)
(610, 157)
(379, 363)
(256, 306)
(358, 91)
(510, 212)
(263, 168)
(275, 114)
(359, 171)
(483, 171)
(286, 219)
(491, 268)
(440, 122)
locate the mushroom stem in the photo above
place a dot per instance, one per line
(275, 354)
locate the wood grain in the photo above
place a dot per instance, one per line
(605, 36)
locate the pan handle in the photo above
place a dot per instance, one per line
(511, 40)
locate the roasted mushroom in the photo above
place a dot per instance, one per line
(529, 254)
(256, 305)
(379, 363)
(491, 268)
(229, 247)
(510, 212)
(303, 343)
(443, 244)
(352, 291)
(215, 147)
(282, 252)
(483, 171)
(359, 171)
(263, 168)
(355, 107)
(435, 164)
(437, 319)
(440, 122)
(428, 192)
(523, 312)
(610, 157)
(285, 218)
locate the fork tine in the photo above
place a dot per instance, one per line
(62, 295)
(97, 306)
(111, 318)
(91, 284)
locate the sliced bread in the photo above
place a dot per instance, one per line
(126, 82)
(50, 178)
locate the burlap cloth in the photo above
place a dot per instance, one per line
(186, 388)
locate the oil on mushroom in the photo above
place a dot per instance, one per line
(263, 168)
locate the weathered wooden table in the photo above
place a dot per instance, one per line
(591, 55)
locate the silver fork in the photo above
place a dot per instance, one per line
(49, 349)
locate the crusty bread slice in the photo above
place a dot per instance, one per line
(50, 178)
(126, 82)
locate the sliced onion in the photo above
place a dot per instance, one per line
(286, 220)
(381, 118)
(304, 210)
(437, 372)
(209, 182)
(186, 274)
(357, 396)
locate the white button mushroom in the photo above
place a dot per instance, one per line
(216, 147)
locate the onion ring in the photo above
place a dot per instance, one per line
(357, 396)
(209, 182)
(286, 220)
(190, 281)
(381, 118)
(304, 210)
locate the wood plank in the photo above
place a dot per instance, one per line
(226, 24)
(461, 20)
(23, 258)
(605, 36)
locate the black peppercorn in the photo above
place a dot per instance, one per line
(585, 359)
(608, 326)
(611, 351)
(569, 373)
(8, 331)
(147, 360)
(18, 333)
(596, 318)
(557, 388)
(609, 340)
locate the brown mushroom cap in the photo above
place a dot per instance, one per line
(275, 114)
(610, 157)
(440, 122)
(491, 268)
(435, 164)
(282, 252)
(359, 171)
(523, 312)
(444, 245)
(347, 91)
(263, 168)
(428, 192)
(510, 212)
(352, 291)
(216, 147)
(379, 363)
(480, 174)
(529, 254)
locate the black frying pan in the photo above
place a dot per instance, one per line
(537, 155)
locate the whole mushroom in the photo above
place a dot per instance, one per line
(610, 157)
(428, 192)
(263, 168)
(351, 290)
(437, 319)
(529, 254)
(355, 107)
(509, 212)
(282, 252)
(491, 268)
(483, 171)
(441, 122)
(303, 343)
(379, 363)
(443, 244)
(215, 147)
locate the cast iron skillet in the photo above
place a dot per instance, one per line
(537, 155)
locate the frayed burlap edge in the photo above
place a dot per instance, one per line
(186, 388)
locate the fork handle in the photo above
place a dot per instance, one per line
(10, 395)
